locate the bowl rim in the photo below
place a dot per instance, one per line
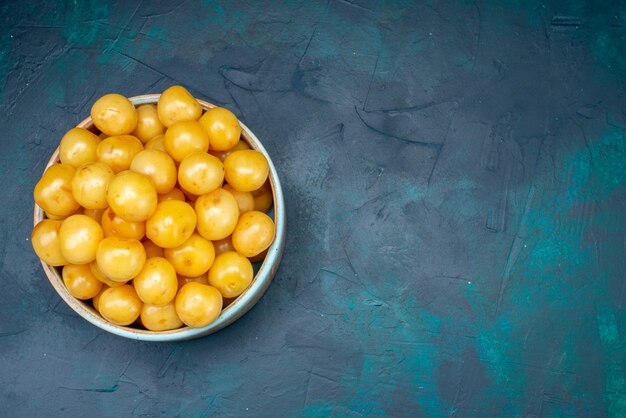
(232, 312)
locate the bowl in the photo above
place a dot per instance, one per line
(232, 312)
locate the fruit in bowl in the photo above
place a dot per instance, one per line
(153, 211)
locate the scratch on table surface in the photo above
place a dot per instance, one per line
(109, 389)
(369, 88)
(321, 376)
(349, 261)
(539, 368)
(565, 21)
(127, 365)
(392, 113)
(353, 4)
(127, 380)
(373, 168)
(168, 362)
(155, 38)
(123, 28)
(3, 230)
(33, 26)
(411, 109)
(335, 130)
(496, 217)
(551, 399)
(305, 400)
(316, 312)
(150, 87)
(457, 277)
(140, 62)
(13, 333)
(456, 402)
(478, 34)
(514, 251)
(588, 144)
(440, 150)
(623, 292)
(375, 300)
(435, 163)
(91, 340)
(226, 71)
(382, 196)
(78, 109)
(176, 4)
(229, 89)
(308, 44)
(64, 310)
(516, 246)
(544, 369)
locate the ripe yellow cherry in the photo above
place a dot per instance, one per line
(158, 166)
(160, 318)
(156, 284)
(118, 151)
(148, 123)
(53, 192)
(90, 183)
(96, 214)
(253, 234)
(241, 145)
(114, 114)
(152, 250)
(217, 214)
(246, 170)
(157, 143)
(95, 270)
(60, 218)
(80, 281)
(115, 226)
(259, 257)
(78, 146)
(222, 128)
(46, 243)
(184, 138)
(200, 173)
(172, 223)
(182, 280)
(177, 104)
(245, 201)
(223, 245)
(132, 196)
(197, 305)
(120, 259)
(120, 305)
(193, 257)
(189, 197)
(79, 237)
(263, 197)
(96, 299)
(231, 274)
(174, 194)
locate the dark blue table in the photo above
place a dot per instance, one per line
(455, 182)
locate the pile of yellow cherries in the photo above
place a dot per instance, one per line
(157, 219)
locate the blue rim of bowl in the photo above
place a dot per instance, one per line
(232, 312)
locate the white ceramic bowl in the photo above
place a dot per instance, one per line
(232, 312)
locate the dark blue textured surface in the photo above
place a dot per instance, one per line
(454, 177)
